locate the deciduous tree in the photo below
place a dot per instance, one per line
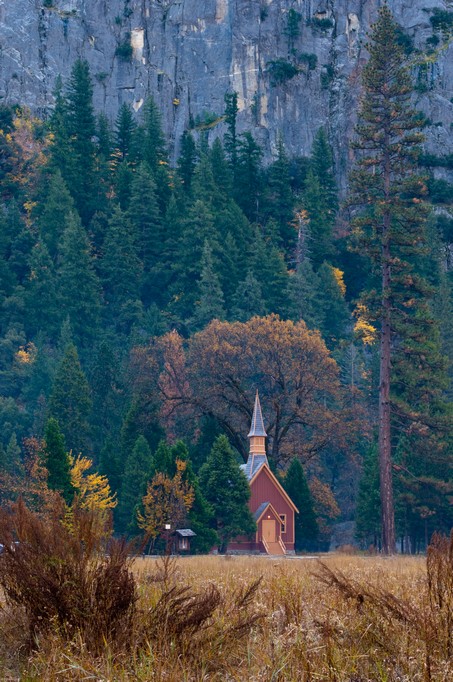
(167, 502)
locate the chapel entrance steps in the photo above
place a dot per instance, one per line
(274, 548)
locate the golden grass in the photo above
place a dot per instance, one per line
(372, 626)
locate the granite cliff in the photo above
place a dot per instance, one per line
(294, 63)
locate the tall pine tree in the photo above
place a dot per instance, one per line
(56, 460)
(390, 227)
(70, 402)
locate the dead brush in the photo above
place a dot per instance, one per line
(439, 566)
(65, 578)
(204, 626)
(426, 623)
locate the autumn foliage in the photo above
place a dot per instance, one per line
(217, 371)
(167, 502)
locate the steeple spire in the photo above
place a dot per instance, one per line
(257, 425)
(257, 454)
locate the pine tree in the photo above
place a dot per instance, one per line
(57, 210)
(8, 279)
(198, 226)
(12, 461)
(220, 170)
(70, 401)
(210, 304)
(21, 244)
(56, 460)
(320, 201)
(247, 187)
(321, 163)
(390, 229)
(145, 218)
(77, 282)
(280, 197)
(107, 393)
(123, 184)
(320, 225)
(204, 185)
(111, 464)
(231, 137)
(122, 273)
(332, 307)
(187, 160)
(306, 526)
(248, 300)
(303, 296)
(227, 490)
(270, 271)
(80, 173)
(104, 136)
(104, 149)
(137, 473)
(58, 124)
(153, 151)
(125, 129)
(368, 508)
(43, 313)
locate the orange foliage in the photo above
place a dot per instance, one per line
(28, 153)
(31, 483)
(167, 501)
(217, 371)
(325, 505)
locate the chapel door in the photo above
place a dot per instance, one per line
(269, 534)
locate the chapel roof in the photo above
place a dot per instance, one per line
(254, 463)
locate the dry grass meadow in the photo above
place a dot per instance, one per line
(346, 618)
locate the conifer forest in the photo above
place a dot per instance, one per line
(144, 302)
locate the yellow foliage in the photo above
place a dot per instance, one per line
(26, 355)
(339, 278)
(363, 328)
(167, 502)
(93, 489)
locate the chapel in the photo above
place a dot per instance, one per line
(270, 505)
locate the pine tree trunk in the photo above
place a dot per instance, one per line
(385, 451)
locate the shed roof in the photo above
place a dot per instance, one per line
(185, 532)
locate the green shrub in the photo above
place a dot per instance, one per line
(433, 41)
(327, 75)
(281, 71)
(292, 29)
(442, 20)
(310, 59)
(124, 50)
(322, 24)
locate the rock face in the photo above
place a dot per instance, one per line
(188, 53)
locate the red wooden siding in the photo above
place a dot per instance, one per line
(264, 489)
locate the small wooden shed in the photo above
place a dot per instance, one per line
(183, 536)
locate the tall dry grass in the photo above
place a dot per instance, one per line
(344, 619)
